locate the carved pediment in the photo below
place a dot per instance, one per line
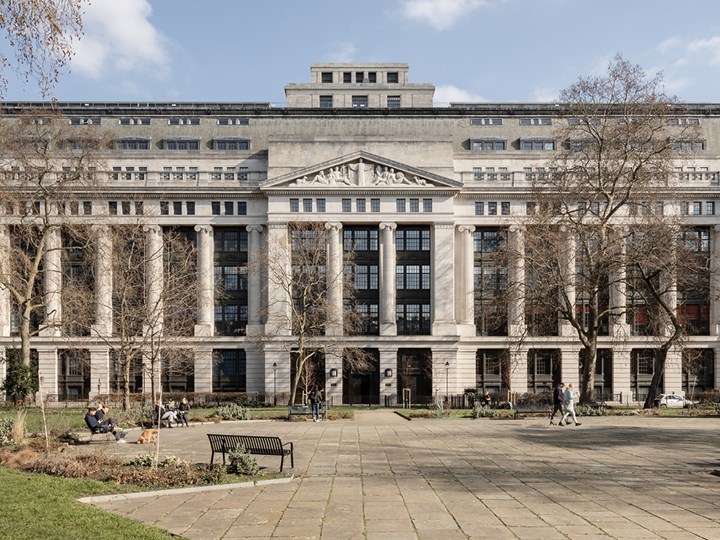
(360, 170)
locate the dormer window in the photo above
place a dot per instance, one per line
(326, 77)
(231, 143)
(393, 77)
(359, 101)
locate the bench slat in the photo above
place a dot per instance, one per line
(253, 444)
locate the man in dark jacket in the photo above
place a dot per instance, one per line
(106, 426)
(558, 402)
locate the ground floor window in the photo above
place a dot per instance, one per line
(361, 376)
(492, 371)
(178, 370)
(414, 369)
(73, 374)
(698, 372)
(602, 391)
(229, 370)
(124, 367)
(643, 363)
(543, 370)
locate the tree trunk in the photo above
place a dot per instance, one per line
(587, 384)
(126, 384)
(653, 391)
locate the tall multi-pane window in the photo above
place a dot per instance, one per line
(229, 370)
(413, 280)
(231, 281)
(363, 243)
(490, 281)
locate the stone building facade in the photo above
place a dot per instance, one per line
(426, 191)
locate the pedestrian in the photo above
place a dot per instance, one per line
(183, 412)
(569, 401)
(315, 399)
(558, 400)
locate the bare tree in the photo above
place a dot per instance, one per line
(305, 301)
(47, 173)
(41, 34)
(608, 179)
(153, 303)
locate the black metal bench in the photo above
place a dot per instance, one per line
(537, 408)
(253, 444)
(304, 410)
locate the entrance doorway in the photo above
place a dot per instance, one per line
(361, 380)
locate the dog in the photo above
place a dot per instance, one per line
(148, 436)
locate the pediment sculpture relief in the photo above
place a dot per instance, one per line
(360, 174)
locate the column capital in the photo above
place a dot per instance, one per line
(443, 225)
(277, 225)
(254, 228)
(337, 226)
(152, 229)
(466, 228)
(203, 229)
(100, 228)
(516, 229)
(387, 226)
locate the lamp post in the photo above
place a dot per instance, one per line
(447, 383)
(274, 384)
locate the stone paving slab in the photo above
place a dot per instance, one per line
(381, 476)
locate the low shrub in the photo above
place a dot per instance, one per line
(588, 410)
(233, 411)
(480, 411)
(6, 430)
(241, 462)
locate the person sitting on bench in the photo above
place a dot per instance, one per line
(108, 425)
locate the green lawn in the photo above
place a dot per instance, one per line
(38, 506)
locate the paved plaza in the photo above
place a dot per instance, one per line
(382, 477)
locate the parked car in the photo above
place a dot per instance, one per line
(672, 401)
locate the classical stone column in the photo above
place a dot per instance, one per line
(443, 280)
(103, 280)
(48, 371)
(5, 311)
(154, 277)
(255, 374)
(673, 372)
(255, 268)
(445, 371)
(465, 275)
(279, 273)
(619, 328)
(518, 371)
(53, 282)
(334, 275)
(333, 373)
(567, 258)
(570, 366)
(388, 291)
(277, 367)
(516, 283)
(206, 281)
(622, 389)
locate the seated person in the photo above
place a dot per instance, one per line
(183, 412)
(167, 414)
(108, 425)
(100, 414)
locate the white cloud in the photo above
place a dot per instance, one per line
(444, 95)
(441, 14)
(118, 36)
(670, 44)
(344, 53)
(545, 95)
(708, 47)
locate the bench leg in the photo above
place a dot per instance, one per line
(282, 460)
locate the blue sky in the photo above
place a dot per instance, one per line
(471, 50)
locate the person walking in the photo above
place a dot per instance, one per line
(558, 401)
(569, 401)
(315, 399)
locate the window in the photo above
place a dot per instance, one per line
(229, 208)
(479, 208)
(492, 209)
(326, 102)
(132, 144)
(366, 277)
(696, 208)
(181, 144)
(347, 77)
(190, 208)
(360, 205)
(112, 208)
(412, 276)
(710, 208)
(427, 205)
(530, 208)
(359, 76)
(87, 208)
(359, 101)
(326, 76)
(414, 205)
(372, 77)
(216, 174)
(689, 146)
(683, 121)
(486, 122)
(393, 102)
(134, 121)
(184, 122)
(346, 205)
(537, 144)
(307, 205)
(535, 122)
(177, 208)
(233, 122)
(413, 319)
(393, 77)
(488, 145)
(505, 208)
(242, 173)
(320, 205)
(400, 205)
(412, 239)
(230, 144)
(374, 205)
(360, 240)
(242, 208)
(164, 208)
(215, 208)
(294, 205)
(85, 121)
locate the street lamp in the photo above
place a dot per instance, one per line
(274, 384)
(447, 383)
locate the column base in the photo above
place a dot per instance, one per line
(203, 330)
(388, 329)
(466, 330)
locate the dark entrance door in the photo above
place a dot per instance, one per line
(414, 368)
(361, 380)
